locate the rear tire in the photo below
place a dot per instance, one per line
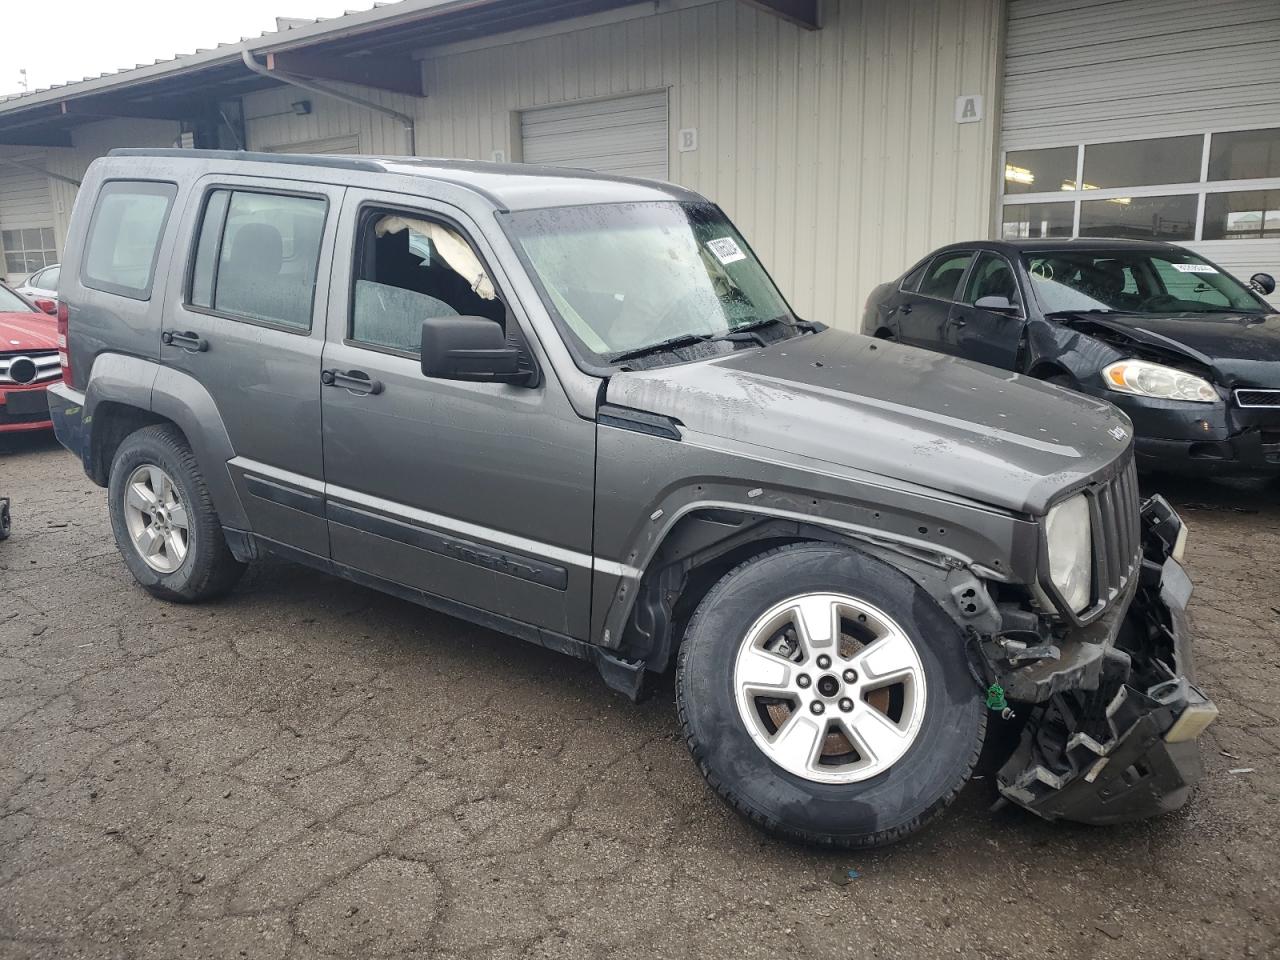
(914, 765)
(165, 525)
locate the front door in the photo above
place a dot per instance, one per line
(922, 318)
(477, 493)
(246, 328)
(990, 336)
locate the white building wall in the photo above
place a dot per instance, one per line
(836, 151)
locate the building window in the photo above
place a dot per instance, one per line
(1038, 171)
(1037, 220)
(1140, 218)
(1245, 155)
(1140, 163)
(1246, 215)
(1164, 188)
(29, 250)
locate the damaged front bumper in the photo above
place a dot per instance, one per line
(1112, 736)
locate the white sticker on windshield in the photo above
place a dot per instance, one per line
(1194, 268)
(726, 250)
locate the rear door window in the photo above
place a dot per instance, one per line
(944, 275)
(124, 237)
(257, 255)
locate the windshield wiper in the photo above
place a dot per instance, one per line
(747, 331)
(675, 343)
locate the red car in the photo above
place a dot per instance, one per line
(29, 363)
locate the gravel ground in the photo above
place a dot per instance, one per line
(313, 769)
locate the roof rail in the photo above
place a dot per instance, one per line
(295, 159)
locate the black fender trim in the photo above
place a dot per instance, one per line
(638, 421)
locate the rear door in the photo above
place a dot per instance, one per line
(245, 328)
(477, 493)
(922, 318)
(988, 336)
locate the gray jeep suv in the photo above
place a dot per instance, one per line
(576, 409)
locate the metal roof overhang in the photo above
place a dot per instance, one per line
(372, 48)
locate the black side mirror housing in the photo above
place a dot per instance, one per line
(474, 349)
(1264, 283)
(998, 305)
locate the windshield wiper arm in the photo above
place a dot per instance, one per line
(675, 343)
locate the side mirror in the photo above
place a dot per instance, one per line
(469, 348)
(1264, 283)
(998, 305)
(48, 306)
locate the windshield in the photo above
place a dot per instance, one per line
(10, 302)
(628, 276)
(1133, 281)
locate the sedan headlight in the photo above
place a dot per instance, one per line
(1070, 540)
(1144, 379)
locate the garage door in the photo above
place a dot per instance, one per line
(1151, 119)
(625, 136)
(329, 145)
(26, 222)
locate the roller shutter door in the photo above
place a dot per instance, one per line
(626, 136)
(1103, 71)
(1118, 70)
(26, 222)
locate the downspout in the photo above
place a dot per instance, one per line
(312, 86)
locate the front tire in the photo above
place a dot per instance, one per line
(164, 521)
(827, 698)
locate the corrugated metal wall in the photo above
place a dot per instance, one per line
(836, 150)
(1120, 69)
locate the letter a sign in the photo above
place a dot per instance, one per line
(968, 108)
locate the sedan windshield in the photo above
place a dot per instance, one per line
(1134, 281)
(10, 302)
(630, 278)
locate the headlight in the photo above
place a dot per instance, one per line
(1145, 379)
(1070, 539)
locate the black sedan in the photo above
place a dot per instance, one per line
(1191, 354)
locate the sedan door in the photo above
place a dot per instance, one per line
(476, 494)
(986, 324)
(922, 318)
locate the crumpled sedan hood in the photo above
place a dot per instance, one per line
(1239, 348)
(896, 411)
(27, 331)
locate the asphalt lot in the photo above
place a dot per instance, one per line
(313, 769)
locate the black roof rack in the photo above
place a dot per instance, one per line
(295, 159)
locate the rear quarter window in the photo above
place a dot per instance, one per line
(124, 237)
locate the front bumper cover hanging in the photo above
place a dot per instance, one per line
(1125, 748)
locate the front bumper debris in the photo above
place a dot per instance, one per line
(1122, 744)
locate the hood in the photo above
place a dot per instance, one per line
(896, 411)
(1238, 348)
(27, 331)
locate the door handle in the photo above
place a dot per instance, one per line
(959, 322)
(188, 341)
(356, 381)
(906, 308)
